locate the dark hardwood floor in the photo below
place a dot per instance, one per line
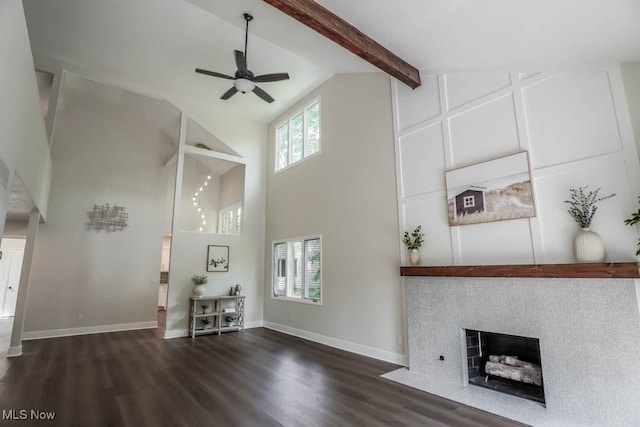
(256, 378)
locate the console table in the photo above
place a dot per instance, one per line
(216, 314)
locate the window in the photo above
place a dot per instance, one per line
(299, 136)
(296, 269)
(469, 201)
(230, 219)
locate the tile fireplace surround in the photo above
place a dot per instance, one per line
(588, 327)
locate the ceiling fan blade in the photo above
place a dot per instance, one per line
(228, 94)
(271, 77)
(241, 61)
(262, 94)
(213, 73)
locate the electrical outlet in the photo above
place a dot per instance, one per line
(80, 317)
(399, 339)
(291, 316)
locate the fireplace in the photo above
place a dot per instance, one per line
(505, 363)
(587, 322)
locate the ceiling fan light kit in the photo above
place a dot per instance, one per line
(244, 85)
(244, 80)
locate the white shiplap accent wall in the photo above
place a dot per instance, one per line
(576, 127)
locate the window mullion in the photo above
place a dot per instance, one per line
(289, 143)
(304, 133)
(304, 270)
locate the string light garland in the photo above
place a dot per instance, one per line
(196, 198)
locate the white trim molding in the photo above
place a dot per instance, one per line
(55, 333)
(14, 351)
(363, 350)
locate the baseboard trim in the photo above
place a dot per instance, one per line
(176, 333)
(56, 333)
(14, 351)
(254, 324)
(363, 350)
(182, 333)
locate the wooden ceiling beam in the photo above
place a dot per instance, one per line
(346, 35)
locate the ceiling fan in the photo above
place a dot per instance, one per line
(244, 81)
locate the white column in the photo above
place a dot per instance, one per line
(15, 348)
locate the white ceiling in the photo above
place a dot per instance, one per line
(78, 92)
(454, 34)
(158, 44)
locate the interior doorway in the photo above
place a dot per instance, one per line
(12, 251)
(163, 289)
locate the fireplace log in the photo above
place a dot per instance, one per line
(512, 360)
(525, 374)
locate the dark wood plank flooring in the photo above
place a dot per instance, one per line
(256, 378)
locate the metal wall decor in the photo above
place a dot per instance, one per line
(107, 218)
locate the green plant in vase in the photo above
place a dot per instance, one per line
(414, 241)
(230, 319)
(199, 280)
(583, 205)
(633, 220)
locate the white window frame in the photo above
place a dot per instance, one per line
(275, 270)
(234, 224)
(304, 137)
(469, 201)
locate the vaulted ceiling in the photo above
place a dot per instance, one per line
(158, 44)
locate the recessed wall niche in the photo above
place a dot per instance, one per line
(212, 195)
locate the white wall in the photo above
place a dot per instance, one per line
(248, 138)
(85, 278)
(246, 251)
(347, 194)
(575, 126)
(23, 141)
(631, 77)
(232, 187)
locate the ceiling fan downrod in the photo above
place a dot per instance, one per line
(248, 18)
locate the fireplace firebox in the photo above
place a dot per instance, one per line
(506, 363)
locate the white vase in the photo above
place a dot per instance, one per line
(199, 290)
(414, 257)
(588, 246)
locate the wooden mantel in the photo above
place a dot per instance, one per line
(615, 270)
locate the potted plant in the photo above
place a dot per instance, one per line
(635, 219)
(199, 280)
(413, 242)
(206, 322)
(230, 319)
(588, 245)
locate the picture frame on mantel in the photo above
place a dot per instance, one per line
(217, 258)
(495, 190)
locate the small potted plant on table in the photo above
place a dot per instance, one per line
(199, 280)
(230, 319)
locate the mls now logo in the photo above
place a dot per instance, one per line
(24, 414)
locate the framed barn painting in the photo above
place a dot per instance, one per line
(496, 190)
(217, 258)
